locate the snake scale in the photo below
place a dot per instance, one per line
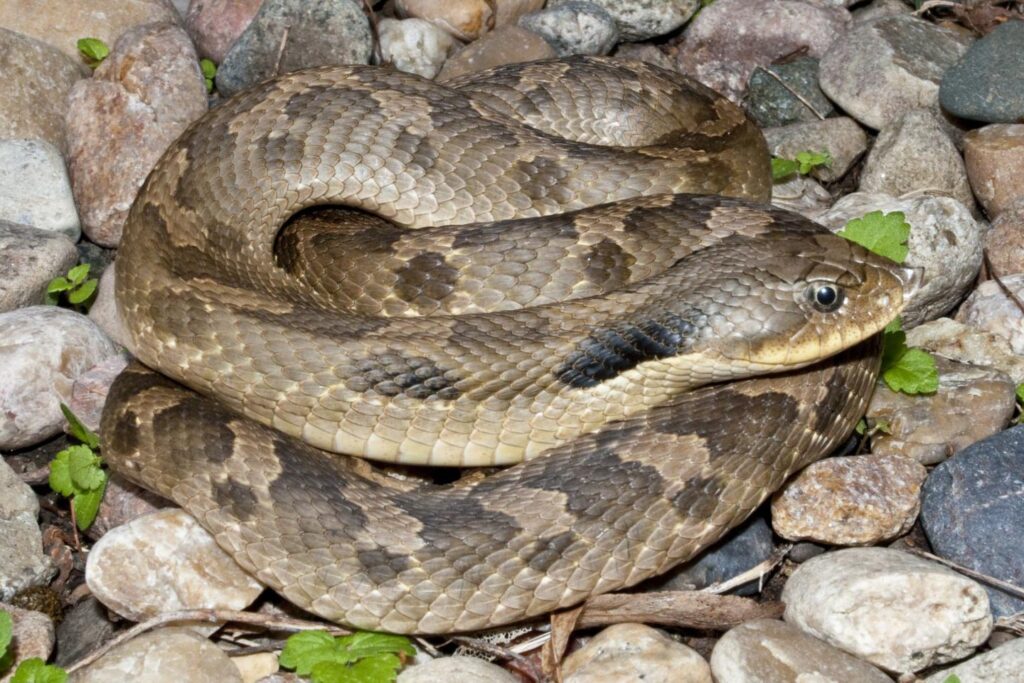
(657, 359)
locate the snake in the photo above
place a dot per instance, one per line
(566, 268)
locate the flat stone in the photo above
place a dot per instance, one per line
(969, 345)
(34, 187)
(914, 155)
(882, 69)
(43, 349)
(854, 500)
(32, 636)
(1004, 242)
(771, 30)
(840, 136)
(467, 20)
(994, 156)
(988, 308)
(456, 670)
(216, 24)
(742, 548)
(987, 84)
(312, 34)
(945, 240)
(165, 562)
(767, 650)
(104, 310)
(507, 45)
(869, 602)
(972, 510)
(644, 19)
(972, 403)
(1005, 663)
(575, 28)
(255, 667)
(803, 195)
(61, 24)
(32, 258)
(120, 122)
(170, 654)
(37, 78)
(22, 562)
(414, 45)
(634, 652)
(773, 90)
(84, 628)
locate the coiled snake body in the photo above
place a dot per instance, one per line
(595, 340)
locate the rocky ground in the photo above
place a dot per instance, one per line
(902, 558)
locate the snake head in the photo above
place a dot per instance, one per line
(779, 302)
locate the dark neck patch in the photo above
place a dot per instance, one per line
(608, 352)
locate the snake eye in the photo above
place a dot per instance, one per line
(825, 297)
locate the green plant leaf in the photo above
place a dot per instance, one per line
(78, 274)
(36, 670)
(783, 168)
(381, 668)
(361, 656)
(1020, 393)
(84, 468)
(913, 373)
(366, 644)
(208, 67)
(87, 504)
(952, 678)
(305, 649)
(93, 50)
(58, 284)
(82, 293)
(808, 161)
(884, 234)
(79, 430)
(60, 472)
(6, 633)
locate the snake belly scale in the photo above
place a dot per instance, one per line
(524, 266)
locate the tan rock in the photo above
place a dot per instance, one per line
(467, 20)
(37, 78)
(165, 562)
(989, 308)
(120, 122)
(994, 156)
(634, 652)
(454, 670)
(31, 258)
(62, 23)
(256, 666)
(969, 345)
(507, 45)
(972, 403)
(1004, 242)
(767, 650)
(104, 309)
(170, 654)
(1003, 664)
(855, 500)
(840, 136)
(32, 636)
(414, 45)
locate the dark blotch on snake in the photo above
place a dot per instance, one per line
(548, 550)
(608, 352)
(425, 278)
(699, 497)
(208, 427)
(543, 177)
(239, 496)
(608, 264)
(381, 565)
(391, 374)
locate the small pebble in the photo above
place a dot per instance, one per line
(164, 562)
(32, 258)
(414, 45)
(972, 510)
(216, 24)
(1001, 665)
(456, 670)
(1004, 242)
(34, 187)
(882, 69)
(22, 563)
(855, 500)
(970, 345)
(104, 310)
(994, 156)
(288, 35)
(643, 19)
(779, 94)
(771, 29)
(575, 28)
(32, 636)
(840, 136)
(170, 654)
(37, 377)
(945, 240)
(914, 155)
(988, 308)
(987, 84)
(766, 650)
(84, 628)
(972, 403)
(869, 602)
(634, 652)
